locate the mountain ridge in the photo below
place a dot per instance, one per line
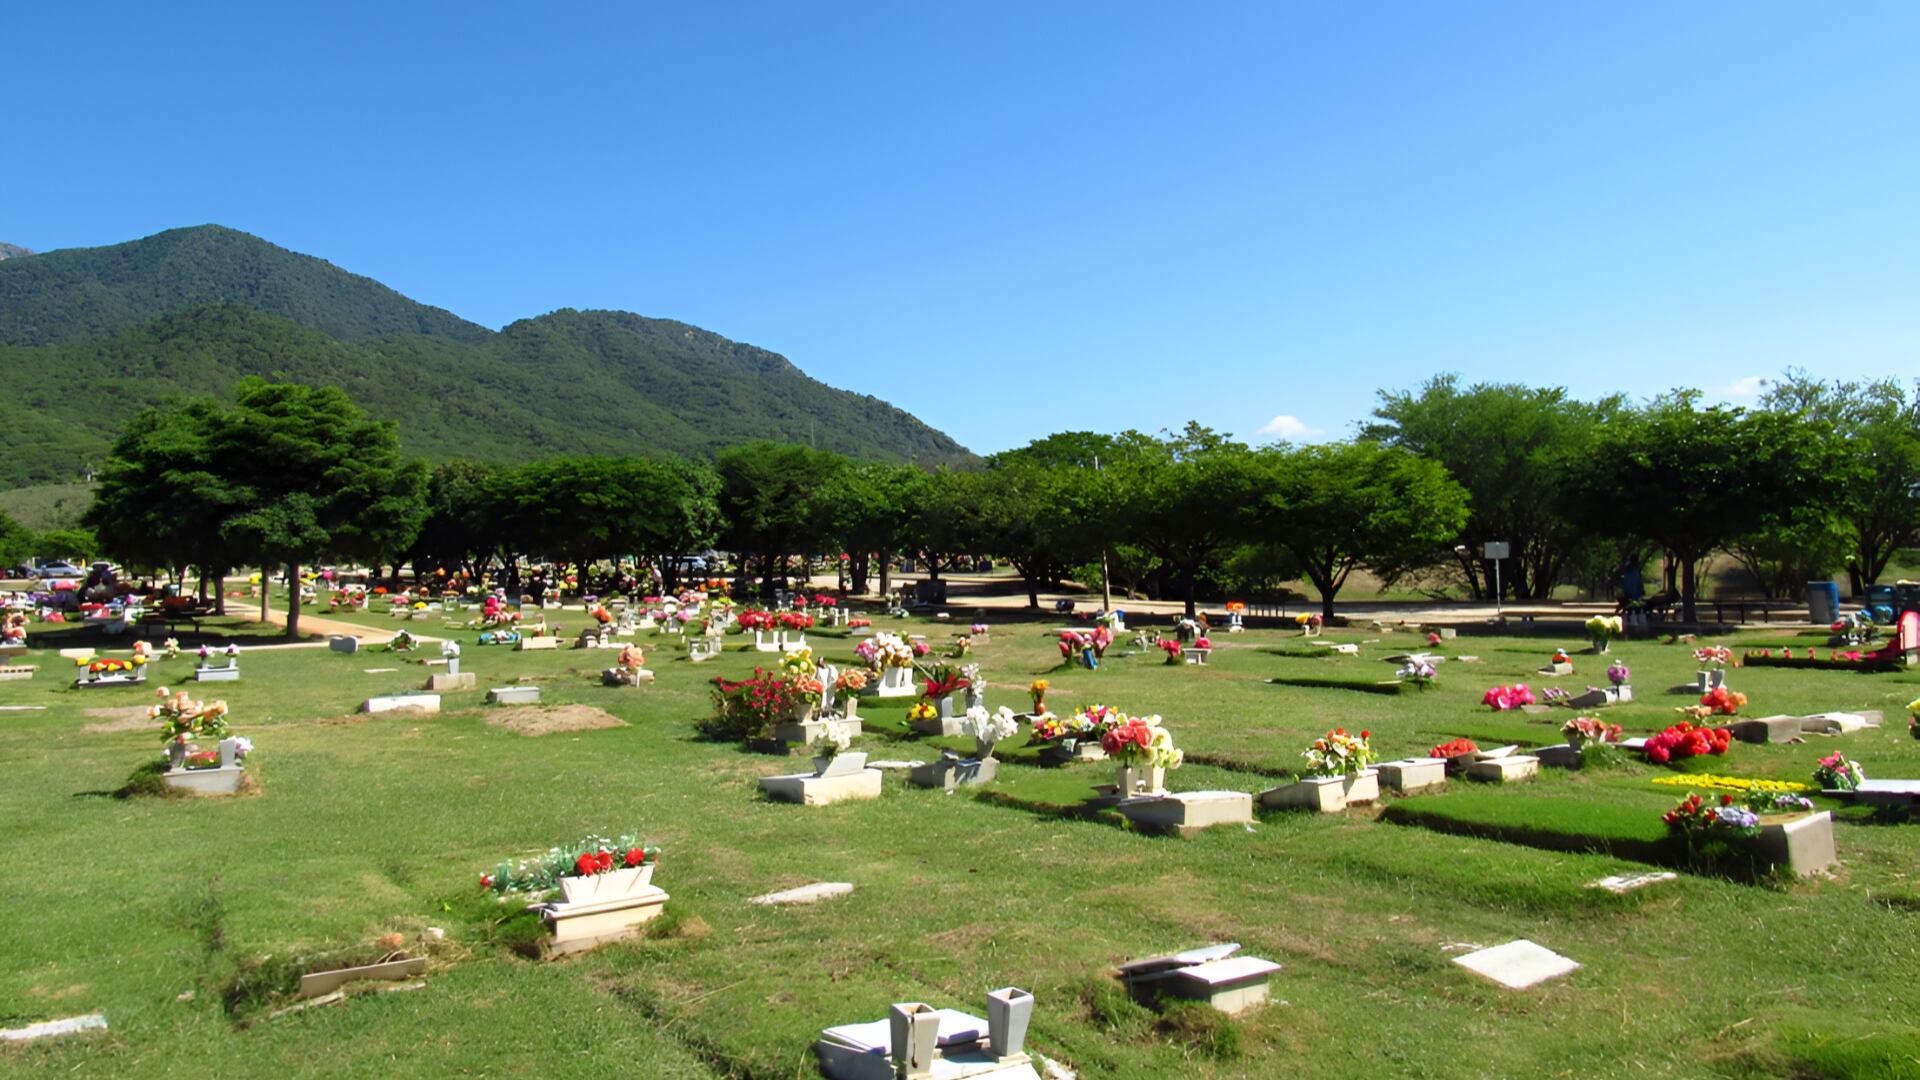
(568, 381)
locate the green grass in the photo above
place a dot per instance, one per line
(369, 826)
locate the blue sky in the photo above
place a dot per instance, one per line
(1019, 218)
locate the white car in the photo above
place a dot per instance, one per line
(58, 570)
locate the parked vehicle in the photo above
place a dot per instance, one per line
(58, 569)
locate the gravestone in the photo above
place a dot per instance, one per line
(1517, 964)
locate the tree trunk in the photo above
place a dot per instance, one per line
(857, 577)
(1686, 591)
(1856, 589)
(886, 571)
(266, 590)
(1187, 588)
(293, 599)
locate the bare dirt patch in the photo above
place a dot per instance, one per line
(544, 720)
(119, 718)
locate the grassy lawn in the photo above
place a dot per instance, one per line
(178, 918)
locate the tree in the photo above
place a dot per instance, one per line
(1875, 484)
(1513, 448)
(462, 529)
(314, 478)
(1188, 499)
(1692, 480)
(161, 502)
(770, 499)
(870, 507)
(1047, 506)
(16, 541)
(1338, 506)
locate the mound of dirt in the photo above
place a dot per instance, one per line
(551, 720)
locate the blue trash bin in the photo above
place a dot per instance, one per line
(1823, 602)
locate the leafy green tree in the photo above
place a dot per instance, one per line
(1513, 448)
(1693, 480)
(1338, 506)
(314, 479)
(870, 507)
(160, 500)
(771, 499)
(1874, 488)
(462, 529)
(16, 541)
(1186, 499)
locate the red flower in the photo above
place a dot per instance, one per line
(587, 864)
(635, 856)
(486, 881)
(604, 860)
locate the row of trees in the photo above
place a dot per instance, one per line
(1822, 474)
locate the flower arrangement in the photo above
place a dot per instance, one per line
(794, 620)
(1083, 724)
(1203, 642)
(1560, 657)
(110, 665)
(1585, 729)
(592, 856)
(1418, 672)
(1339, 754)
(170, 649)
(988, 728)
(1718, 656)
(1236, 607)
(1618, 673)
(1554, 695)
(1604, 628)
(1697, 817)
(1314, 619)
(922, 710)
(1037, 689)
(1171, 648)
(851, 681)
(1913, 718)
(962, 646)
(798, 663)
(1718, 701)
(1778, 802)
(1836, 773)
(831, 739)
(1140, 741)
(1736, 784)
(753, 619)
(1433, 639)
(822, 600)
(400, 642)
(855, 624)
(1503, 698)
(978, 629)
(919, 648)
(1685, 740)
(182, 719)
(749, 708)
(943, 680)
(1447, 751)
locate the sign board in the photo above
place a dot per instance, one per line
(1498, 549)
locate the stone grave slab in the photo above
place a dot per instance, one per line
(314, 984)
(1187, 812)
(805, 894)
(580, 927)
(445, 683)
(1626, 883)
(514, 695)
(810, 790)
(1839, 723)
(1409, 775)
(1562, 756)
(803, 732)
(76, 654)
(1504, 770)
(72, 1025)
(1884, 793)
(1325, 794)
(1767, 729)
(1517, 964)
(1803, 845)
(17, 671)
(953, 772)
(390, 702)
(229, 673)
(1232, 985)
(532, 644)
(344, 643)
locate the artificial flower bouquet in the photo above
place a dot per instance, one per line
(1560, 657)
(1604, 628)
(1084, 723)
(1171, 648)
(1717, 656)
(1685, 740)
(798, 663)
(988, 728)
(1503, 698)
(110, 665)
(1696, 817)
(1836, 773)
(589, 858)
(1618, 673)
(1447, 751)
(1339, 754)
(944, 680)
(1037, 689)
(1582, 730)
(1718, 701)
(1418, 672)
(1140, 742)
(183, 720)
(750, 708)
(851, 681)
(922, 710)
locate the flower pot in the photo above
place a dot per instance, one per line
(176, 754)
(914, 1028)
(612, 885)
(1132, 780)
(803, 712)
(1008, 1013)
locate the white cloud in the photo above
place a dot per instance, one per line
(1288, 427)
(1745, 388)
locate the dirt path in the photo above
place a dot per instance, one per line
(318, 625)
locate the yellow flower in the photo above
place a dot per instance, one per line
(1733, 783)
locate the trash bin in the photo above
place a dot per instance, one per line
(1823, 602)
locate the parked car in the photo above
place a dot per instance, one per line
(58, 569)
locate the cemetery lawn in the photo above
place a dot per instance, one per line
(184, 919)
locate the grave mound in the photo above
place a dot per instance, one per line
(535, 720)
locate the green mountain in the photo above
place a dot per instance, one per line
(566, 382)
(85, 292)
